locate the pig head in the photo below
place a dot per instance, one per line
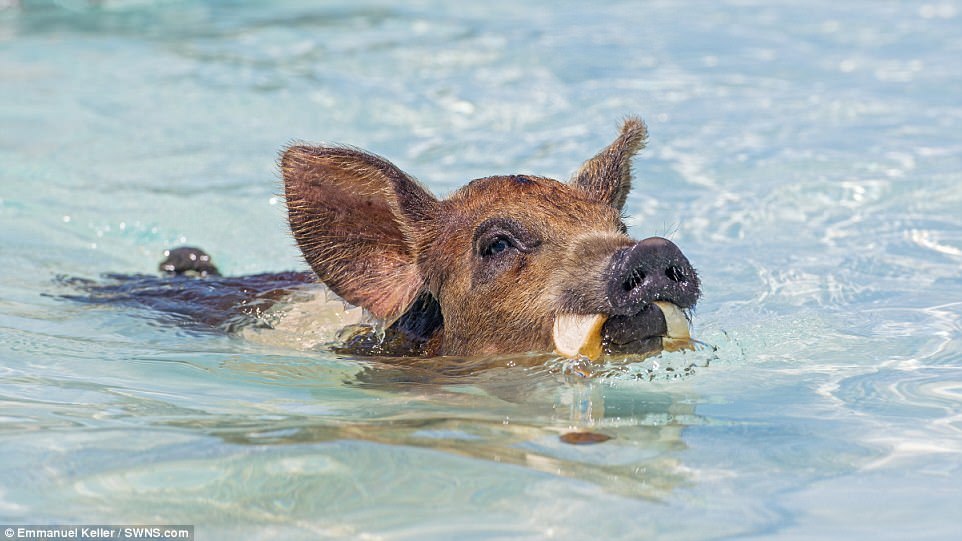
(505, 264)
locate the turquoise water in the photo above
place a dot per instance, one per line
(806, 156)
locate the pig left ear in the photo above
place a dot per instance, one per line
(358, 220)
(607, 176)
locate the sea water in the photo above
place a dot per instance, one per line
(806, 156)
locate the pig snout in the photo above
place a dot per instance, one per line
(653, 269)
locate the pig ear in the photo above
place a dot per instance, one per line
(357, 219)
(607, 176)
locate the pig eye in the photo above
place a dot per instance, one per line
(496, 246)
(498, 238)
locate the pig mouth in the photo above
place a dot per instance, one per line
(658, 326)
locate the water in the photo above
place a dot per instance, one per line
(806, 156)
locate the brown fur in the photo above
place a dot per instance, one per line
(380, 240)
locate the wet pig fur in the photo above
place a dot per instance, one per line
(487, 269)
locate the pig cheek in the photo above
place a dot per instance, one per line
(528, 301)
(493, 317)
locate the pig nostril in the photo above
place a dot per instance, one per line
(636, 277)
(674, 274)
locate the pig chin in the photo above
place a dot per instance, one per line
(658, 326)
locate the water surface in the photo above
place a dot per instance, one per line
(806, 156)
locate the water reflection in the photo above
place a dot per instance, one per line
(514, 410)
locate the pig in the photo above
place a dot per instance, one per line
(506, 264)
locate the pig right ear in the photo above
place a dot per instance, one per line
(357, 219)
(607, 176)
